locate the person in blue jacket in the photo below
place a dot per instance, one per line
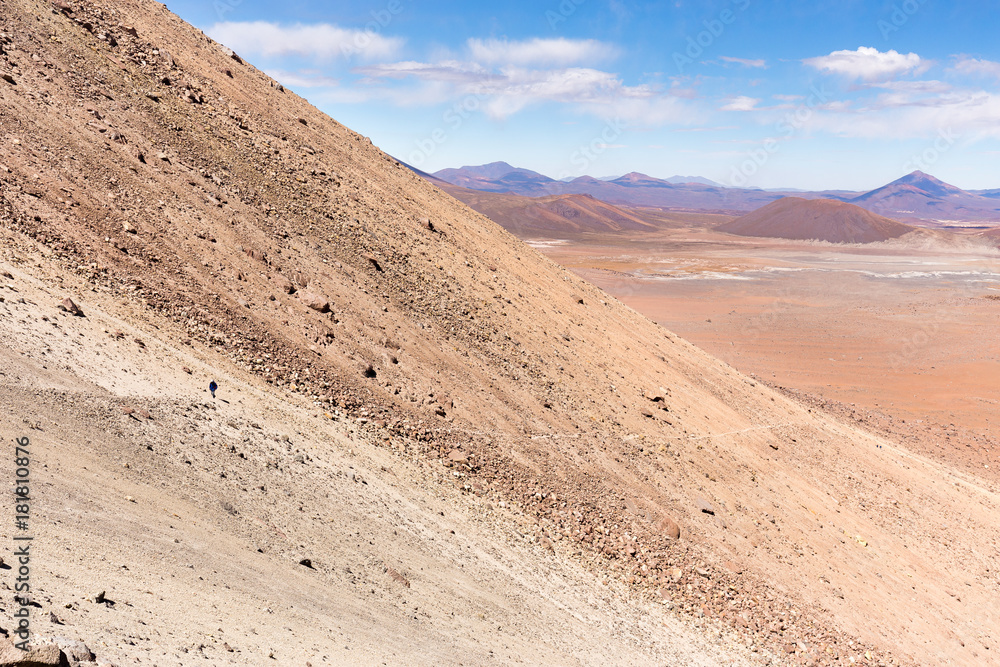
(212, 387)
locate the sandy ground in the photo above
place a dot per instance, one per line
(193, 522)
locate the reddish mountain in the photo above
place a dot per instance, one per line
(559, 215)
(816, 219)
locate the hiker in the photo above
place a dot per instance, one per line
(212, 387)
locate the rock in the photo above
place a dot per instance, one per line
(61, 6)
(669, 528)
(127, 226)
(646, 413)
(9, 78)
(186, 370)
(76, 652)
(315, 302)
(704, 506)
(54, 619)
(373, 261)
(284, 284)
(304, 121)
(308, 149)
(39, 656)
(427, 224)
(99, 598)
(305, 562)
(655, 396)
(676, 574)
(70, 307)
(458, 456)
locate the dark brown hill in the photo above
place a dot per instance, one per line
(816, 220)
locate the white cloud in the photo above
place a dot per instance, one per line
(869, 64)
(977, 67)
(306, 78)
(741, 103)
(971, 114)
(743, 61)
(320, 41)
(503, 92)
(554, 52)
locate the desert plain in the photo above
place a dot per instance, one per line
(900, 335)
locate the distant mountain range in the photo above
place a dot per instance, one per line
(916, 197)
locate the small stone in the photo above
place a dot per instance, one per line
(305, 562)
(70, 307)
(704, 506)
(99, 598)
(457, 456)
(76, 652)
(9, 78)
(284, 284)
(315, 302)
(303, 121)
(186, 370)
(127, 226)
(669, 528)
(676, 574)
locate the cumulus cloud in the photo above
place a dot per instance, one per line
(321, 41)
(869, 64)
(741, 103)
(553, 52)
(744, 61)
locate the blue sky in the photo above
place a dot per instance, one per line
(821, 95)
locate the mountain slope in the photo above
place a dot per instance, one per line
(217, 221)
(561, 215)
(919, 195)
(816, 220)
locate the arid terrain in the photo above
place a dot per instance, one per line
(431, 444)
